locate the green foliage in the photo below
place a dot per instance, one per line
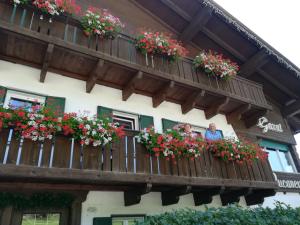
(36, 200)
(231, 215)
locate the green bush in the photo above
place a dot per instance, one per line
(231, 215)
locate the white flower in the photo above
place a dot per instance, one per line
(87, 126)
(87, 141)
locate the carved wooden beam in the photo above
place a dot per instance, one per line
(191, 101)
(292, 109)
(254, 63)
(196, 24)
(277, 84)
(252, 120)
(229, 197)
(257, 196)
(215, 108)
(98, 72)
(237, 113)
(172, 196)
(46, 62)
(205, 196)
(129, 89)
(217, 39)
(133, 196)
(177, 9)
(162, 94)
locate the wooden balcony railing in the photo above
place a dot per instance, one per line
(127, 162)
(66, 32)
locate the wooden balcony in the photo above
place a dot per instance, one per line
(125, 166)
(61, 47)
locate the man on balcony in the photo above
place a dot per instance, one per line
(212, 134)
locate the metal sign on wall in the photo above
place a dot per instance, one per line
(289, 182)
(266, 126)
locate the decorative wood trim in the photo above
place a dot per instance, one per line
(172, 196)
(205, 196)
(229, 197)
(162, 94)
(256, 61)
(255, 197)
(292, 109)
(196, 24)
(216, 107)
(129, 88)
(133, 196)
(46, 62)
(237, 113)
(277, 84)
(98, 72)
(191, 102)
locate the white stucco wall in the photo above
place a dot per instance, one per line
(27, 79)
(292, 199)
(105, 204)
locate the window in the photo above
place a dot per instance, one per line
(281, 161)
(17, 99)
(41, 219)
(126, 220)
(128, 120)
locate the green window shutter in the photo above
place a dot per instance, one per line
(56, 104)
(274, 145)
(146, 121)
(102, 221)
(168, 124)
(103, 112)
(2, 95)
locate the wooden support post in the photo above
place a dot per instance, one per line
(162, 94)
(7, 215)
(237, 113)
(253, 119)
(46, 62)
(129, 88)
(76, 208)
(191, 102)
(204, 196)
(133, 196)
(98, 72)
(216, 107)
(172, 196)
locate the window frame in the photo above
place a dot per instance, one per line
(23, 95)
(127, 216)
(130, 116)
(280, 161)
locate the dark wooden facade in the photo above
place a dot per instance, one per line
(61, 47)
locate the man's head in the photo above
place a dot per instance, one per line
(187, 128)
(212, 127)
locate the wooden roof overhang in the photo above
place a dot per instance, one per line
(61, 47)
(206, 25)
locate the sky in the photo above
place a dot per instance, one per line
(275, 21)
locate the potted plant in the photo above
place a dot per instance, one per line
(100, 22)
(215, 65)
(161, 44)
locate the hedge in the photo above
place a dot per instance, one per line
(232, 215)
